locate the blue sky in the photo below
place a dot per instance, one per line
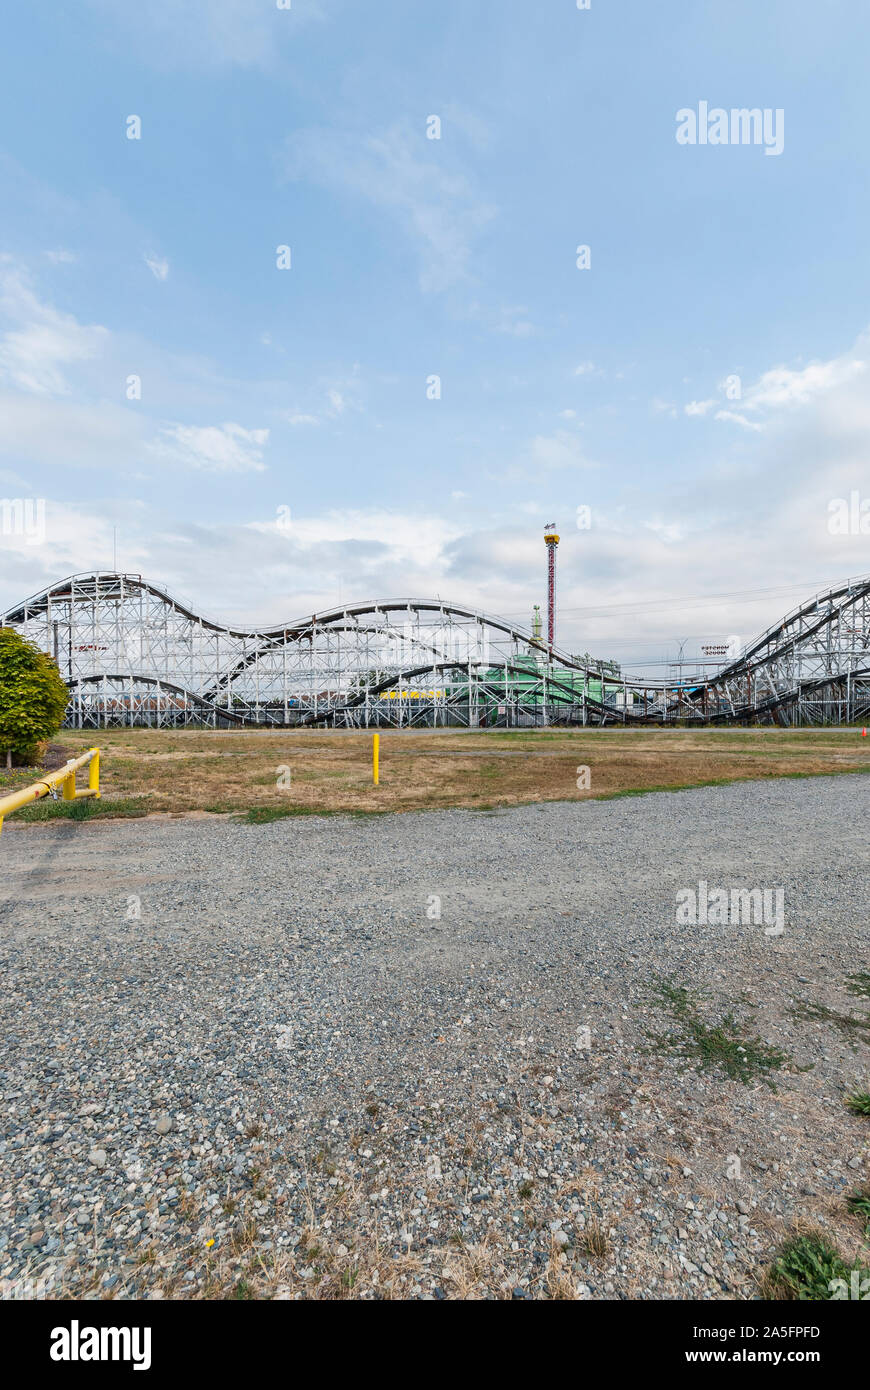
(305, 388)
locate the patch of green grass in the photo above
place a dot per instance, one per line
(859, 983)
(858, 1103)
(264, 815)
(805, 1268)
(88, 808)
(859, 1203)
(853, 1029)
(17, 777)
(831, 772)
(721, 1047)
(674, 787)
(727, 782)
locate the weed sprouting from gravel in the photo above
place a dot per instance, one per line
(859, 983)
(859, 1103)
(243, 1236)
(859, 1203)
(720, 1047)
(852, 1028)
(805, 1268)
(594, 1240)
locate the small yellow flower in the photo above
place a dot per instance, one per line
(209, 1244)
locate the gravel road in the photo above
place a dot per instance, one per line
(430, 1055)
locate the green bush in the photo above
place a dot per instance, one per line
(33, 698)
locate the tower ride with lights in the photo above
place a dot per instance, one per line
(551, 540)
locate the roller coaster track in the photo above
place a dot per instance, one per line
(131, 652)
(154, 693)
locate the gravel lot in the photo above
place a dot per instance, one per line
(253, 1061)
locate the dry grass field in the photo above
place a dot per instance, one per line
(280, 773)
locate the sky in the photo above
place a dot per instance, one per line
(323, 331)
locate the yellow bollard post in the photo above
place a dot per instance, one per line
(94, 773)
(69, 787)
(376, 748)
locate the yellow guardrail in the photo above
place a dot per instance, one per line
(65, 778)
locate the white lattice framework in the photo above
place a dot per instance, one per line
(132, 653)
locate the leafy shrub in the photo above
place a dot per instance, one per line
(33, 698)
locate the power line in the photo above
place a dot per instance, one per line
(696, 600)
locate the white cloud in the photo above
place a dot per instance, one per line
(210, 33)
(74, 539)
(440, 210)
(782, 387)
(668, 531)
(382, 552)
(513, 320)
(159, 267)
(43, 339)
(737, 419)
(46, 431)
(584, 368)
(785, 389)
(698, 407)
(225, 448)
